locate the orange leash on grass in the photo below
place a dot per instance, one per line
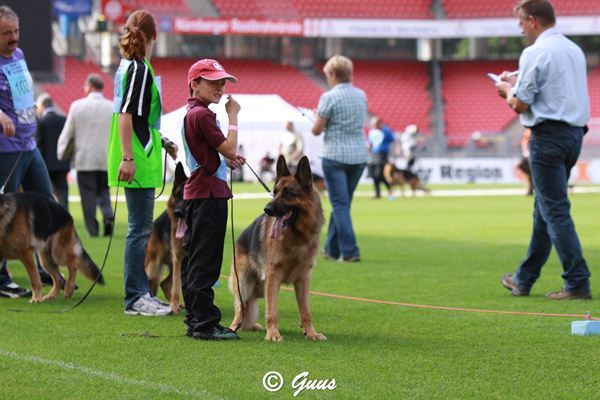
(586, 316)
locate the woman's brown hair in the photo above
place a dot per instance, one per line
(139, 30)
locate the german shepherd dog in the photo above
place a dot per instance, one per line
(394, 176)
(280, 246)
(165, 246)
(31, 222)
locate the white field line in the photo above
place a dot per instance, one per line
(408, 193)
(109, 376)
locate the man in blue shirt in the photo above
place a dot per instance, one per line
(380, 139)
(18, 149)
(551, 96)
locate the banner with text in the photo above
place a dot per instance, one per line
(236, 26)
(364, 28)
(491, 170)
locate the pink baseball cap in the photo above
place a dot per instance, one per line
(210, 70)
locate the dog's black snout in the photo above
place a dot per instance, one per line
(270, 210)
(179, 212)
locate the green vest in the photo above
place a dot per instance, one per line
(148, 161)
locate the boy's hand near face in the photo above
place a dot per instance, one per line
(233, 108)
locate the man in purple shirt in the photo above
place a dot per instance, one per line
(18, 150)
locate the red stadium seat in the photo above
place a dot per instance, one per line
(166, 7)
(503, 8)
(254, 77)
(594, 92)
(396, 91)
(71, 88)
(296, 9)
(471, 100)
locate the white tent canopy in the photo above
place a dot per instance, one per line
(261, 122)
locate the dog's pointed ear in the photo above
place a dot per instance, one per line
(282, 169)
(180, 173)
(304, 174)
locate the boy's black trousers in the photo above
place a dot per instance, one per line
(206, 221)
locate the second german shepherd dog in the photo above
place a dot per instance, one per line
(31, 222)
(394, 176)
(280, 246)
(165, 246)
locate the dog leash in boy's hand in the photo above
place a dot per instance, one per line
(237, 279)
(264, 185)
(12, 171)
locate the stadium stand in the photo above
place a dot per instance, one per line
(294, 9)
(594, 92)
(75, 74)
(166, 7)
(503, 8)
(471, 101)
(254, 77)
(396, 91)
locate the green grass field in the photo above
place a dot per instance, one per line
(438, 251)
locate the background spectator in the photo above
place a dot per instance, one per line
(380, 139)
(84, 138)
(50, 124)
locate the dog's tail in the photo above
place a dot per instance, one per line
(89, 268)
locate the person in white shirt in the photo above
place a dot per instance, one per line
(84, 138)
(409, 144)
(291, 146)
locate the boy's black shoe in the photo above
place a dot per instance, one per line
(216, 332)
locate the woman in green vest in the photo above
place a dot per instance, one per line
(134, 154)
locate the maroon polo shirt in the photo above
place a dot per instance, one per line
(203, 136)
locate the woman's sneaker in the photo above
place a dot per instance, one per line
(148, 307)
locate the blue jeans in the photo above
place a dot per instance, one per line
(140, 213)
(554, 149)
(31, 173)
(341, 180)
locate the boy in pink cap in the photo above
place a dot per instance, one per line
(206, 193)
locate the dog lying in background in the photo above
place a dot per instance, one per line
(165, 246)
(31, 222)
(394, 176)
(280, 246)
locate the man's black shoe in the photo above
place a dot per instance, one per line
(108, 227)
(217, 332)
(14, 291)
(46, 278)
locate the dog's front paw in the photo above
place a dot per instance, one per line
(36, 299)
(273, 335)
(175, 307)
(315, 336)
